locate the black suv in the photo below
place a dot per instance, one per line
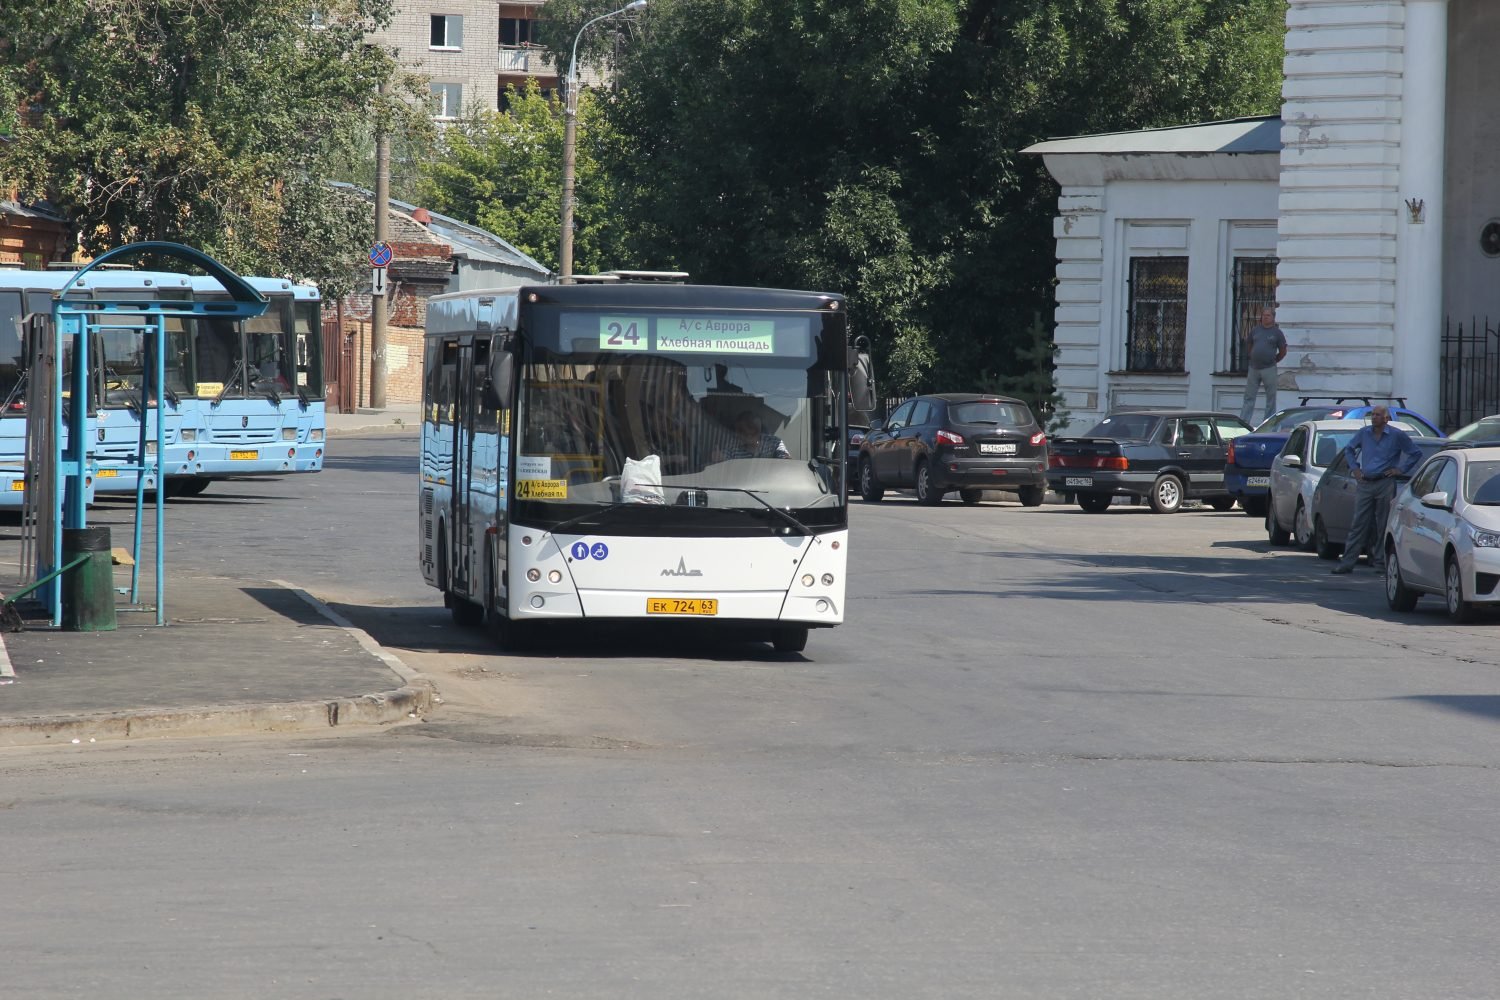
(956, 441)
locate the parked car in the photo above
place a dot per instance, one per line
(1310, 449)
(956, 441)
(1247, 468)
(1333, 501)
(1485, 430)
(1166, 456)
(1443, 535)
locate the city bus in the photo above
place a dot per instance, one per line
(244, 398)
(637, 451)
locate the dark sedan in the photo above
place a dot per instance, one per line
(1166, 456)
(956, 441)
(1333, 500)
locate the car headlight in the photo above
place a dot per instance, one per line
(1484, 539)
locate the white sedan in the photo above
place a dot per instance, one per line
(1310, 449)
(1443, 536)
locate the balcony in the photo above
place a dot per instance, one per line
(528, 60)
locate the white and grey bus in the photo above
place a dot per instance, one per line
(638, 450)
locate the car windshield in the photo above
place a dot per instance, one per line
(1283, 421)
(991, 412)
(1487, 429)
(1482, 483)
(1125, 426)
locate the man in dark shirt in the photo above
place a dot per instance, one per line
(1265, 345)
(1377, 455)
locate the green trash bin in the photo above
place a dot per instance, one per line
(88, 589)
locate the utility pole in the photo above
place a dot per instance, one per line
(378, 308)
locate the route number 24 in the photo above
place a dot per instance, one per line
(623, 333)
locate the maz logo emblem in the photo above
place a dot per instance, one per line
(244, 421)
(682, 569)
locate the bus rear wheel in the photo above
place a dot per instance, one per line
(790, 639)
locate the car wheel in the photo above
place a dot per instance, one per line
(971, 496)
(926, 493)
(1255, 506)
(1166, 495)
(1221, 504)
(1397, 594)
(1032, 496)
(1302, 532)
(789, 640)
(870, 490)
(1274, 531)
(1094, 503)
(1459, 610)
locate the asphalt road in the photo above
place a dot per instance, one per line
(1051, 755)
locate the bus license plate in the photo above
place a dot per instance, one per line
(1078, 481)
(107, 473)
(997, 449)
(682, 606)
(250, 455)
(17, 485)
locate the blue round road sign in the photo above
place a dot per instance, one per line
(380, 255)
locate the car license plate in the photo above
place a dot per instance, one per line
(1078, 481)
(997, 449)
(1258, 481)
(682, 606)
(246, 455)
(107, 473)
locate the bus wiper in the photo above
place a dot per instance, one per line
(234, 376)
(302, 401)
(785, 516)
(581, 518)
(172, 397)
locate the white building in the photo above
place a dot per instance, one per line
(1388, 218)
(1166, 247)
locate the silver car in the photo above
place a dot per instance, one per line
(1443, 536)
(1310, 449)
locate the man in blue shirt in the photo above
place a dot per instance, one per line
(1377, 455)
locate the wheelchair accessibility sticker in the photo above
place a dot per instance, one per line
(582, 550)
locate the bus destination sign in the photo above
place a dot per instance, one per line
(688, 334)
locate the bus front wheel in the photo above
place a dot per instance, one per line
(790, 640)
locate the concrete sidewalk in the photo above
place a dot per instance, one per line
(236, 656)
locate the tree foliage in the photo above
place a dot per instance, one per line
(503, 171)
(207, 122)
(872, 147)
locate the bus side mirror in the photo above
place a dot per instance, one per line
(499, 379)
(861, 376)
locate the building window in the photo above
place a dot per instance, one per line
(515, 31)
(1157, 322)
(447, 100)
(447, 31)
(1254, 290)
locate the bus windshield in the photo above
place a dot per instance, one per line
(626, 409)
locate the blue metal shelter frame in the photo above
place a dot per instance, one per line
(80, 318)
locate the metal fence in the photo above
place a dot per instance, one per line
(1470, 386)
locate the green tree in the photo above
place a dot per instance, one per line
(871, 147)
(207, 122)
(503, 171)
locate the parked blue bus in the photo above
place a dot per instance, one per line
(241, 398)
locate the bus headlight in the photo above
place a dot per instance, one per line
(190, 434)
(316, 435)
(151, 447)
(289, 434)
(554, 577)
(533, 575)
(807, 580)
(828, 579)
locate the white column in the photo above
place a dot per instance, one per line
(1416, 359)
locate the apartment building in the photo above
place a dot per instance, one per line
(470, 51)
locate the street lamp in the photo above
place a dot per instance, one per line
(570, 133)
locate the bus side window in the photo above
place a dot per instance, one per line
(447, 382)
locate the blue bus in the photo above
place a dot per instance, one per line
(241, 398)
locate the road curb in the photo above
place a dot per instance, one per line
(392, 428)
(410, 701)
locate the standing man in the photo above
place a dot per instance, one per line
(1265, 346)
(1376, 455)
